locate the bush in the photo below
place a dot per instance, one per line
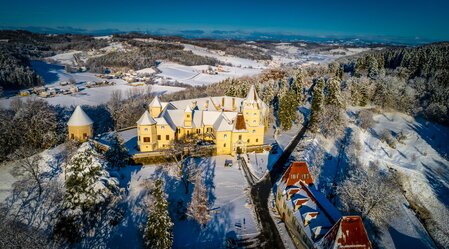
(388, 138)
(365, 119)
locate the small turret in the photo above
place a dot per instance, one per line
(155, 107)
(80, 126)
(188, 116)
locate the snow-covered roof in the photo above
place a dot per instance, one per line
(252, 94)
(314, 213)
(147, 70)
(79, 118)
(156, 102)
(146, 119)
(348, 232)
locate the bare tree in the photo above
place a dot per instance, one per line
(29, 165)
(370, 193)
(198, 208)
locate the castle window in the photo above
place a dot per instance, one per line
(158, 137)
(146, 139)
(224, 145)
(167, 137)
(248, 140)
(188, 116)
(146, 129)
(162, 127)
(240, 137)
(257, 140)
(84, 135)
(72, 136)
(254, 114)
(225, 136)
(198, 131)
(188, 133)
(247, 113)
(254, 131)
(254, 121)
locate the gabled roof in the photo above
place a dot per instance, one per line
(348, 232)
(156, 102)
(146, 119)
(79, 118)
(302, 173)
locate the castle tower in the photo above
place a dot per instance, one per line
(252, 108)
(80, 126)
(146, 133)
(155, 107)
(188, 116)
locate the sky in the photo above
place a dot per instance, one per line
(414, 19)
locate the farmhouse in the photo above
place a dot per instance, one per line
(310, 218)
(232, 124)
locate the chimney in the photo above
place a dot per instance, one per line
(222, 101)
(207, 104)
(233, 103)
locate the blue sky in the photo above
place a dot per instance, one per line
(418, 19)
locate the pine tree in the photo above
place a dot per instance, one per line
(286, 108)
(159, 230)
(117, 155)
(90, 192)
(317, 105)
(333, 96)
(297, 86)
(198, 207)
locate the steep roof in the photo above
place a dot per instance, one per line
(156, 102)
(79, 118)
(252, 94)
(240, 124)
(348, 232)
(302, 173)
(146, 119)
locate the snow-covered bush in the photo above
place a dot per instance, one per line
(365, 119)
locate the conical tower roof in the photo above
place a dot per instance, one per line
(156, 102)
(79, 118)
(252, 94)
(188, 109)
(146, 119)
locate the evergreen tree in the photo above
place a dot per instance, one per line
(297, 86)
(159, 230)
(317, 105)
(333, 96)
(90, 192)
(117, 155)
(286, 108)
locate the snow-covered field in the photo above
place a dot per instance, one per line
(420, 158)
(193, 75)
(54, 74)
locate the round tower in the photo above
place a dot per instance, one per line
(80, 126)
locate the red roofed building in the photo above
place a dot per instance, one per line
(348, 232)
(297, 171)
(312, 221)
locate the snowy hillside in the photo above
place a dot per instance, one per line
(419, 158)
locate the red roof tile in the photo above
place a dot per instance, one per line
(297, 171)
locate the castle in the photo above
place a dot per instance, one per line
(232, 124)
